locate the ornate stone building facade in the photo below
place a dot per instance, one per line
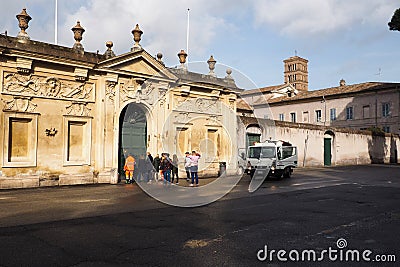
(69, 116)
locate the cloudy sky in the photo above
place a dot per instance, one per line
(340, 38)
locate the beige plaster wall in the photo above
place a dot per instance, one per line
(349, 147)
(358, 101)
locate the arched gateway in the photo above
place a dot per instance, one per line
(132, 133)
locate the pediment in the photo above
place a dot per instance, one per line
(137, 63)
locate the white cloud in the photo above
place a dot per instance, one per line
(309, 18)
(41, 27)
(314, 25)
(163, 24)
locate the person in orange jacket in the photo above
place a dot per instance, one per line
(129, 167)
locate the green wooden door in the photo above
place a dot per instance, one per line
(327, 151)
(132, 134)
(251, 139)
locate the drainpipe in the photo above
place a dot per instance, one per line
(398, 112)
(323, 97)
(376, 109)
(305, 151)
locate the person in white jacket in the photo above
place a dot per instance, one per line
(194, 167)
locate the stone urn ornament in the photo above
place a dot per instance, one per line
(182, 58)
(211, 65)
(137, 36)
(23, 21)
(78, 32)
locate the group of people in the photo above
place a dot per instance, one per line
(147, 168)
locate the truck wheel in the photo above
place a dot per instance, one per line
(287, 172)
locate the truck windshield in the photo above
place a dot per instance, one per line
(268, 152)
(261, 152)
(254, 152)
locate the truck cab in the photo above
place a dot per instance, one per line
(271, 158)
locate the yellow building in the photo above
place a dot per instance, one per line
(68, 115)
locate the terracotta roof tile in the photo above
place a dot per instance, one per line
(37, 47)
(263, 89)
(241, 104)
(338, 90)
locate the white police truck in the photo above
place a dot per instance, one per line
(271, 158)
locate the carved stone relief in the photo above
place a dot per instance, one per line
(110, 90)
(179, 101)
(147, 92)
(214, 120)
(231, 100)
(50, 87)
(182, 117)
(78, 109)
(22, 104)
(127, 91)
(201, 105)
(232, 104)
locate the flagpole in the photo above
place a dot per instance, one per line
(187, 35)
(55, 24)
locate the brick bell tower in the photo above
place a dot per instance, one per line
(296, 72)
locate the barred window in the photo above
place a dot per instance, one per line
(349, 113)
(333, 114)
(318, 115)
(385, 109)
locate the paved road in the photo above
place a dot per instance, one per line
(119, 225)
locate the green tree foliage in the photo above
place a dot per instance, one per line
(394, 24)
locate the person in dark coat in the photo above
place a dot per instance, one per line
(150, 157)
(148, 170)
(141, 169)
(156, 165)
(175, 163)
(187, 166)
(166, 167)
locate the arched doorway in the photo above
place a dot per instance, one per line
(132, 133)
(253, 134)
(328, 147)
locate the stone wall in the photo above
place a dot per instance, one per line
(349, 147)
